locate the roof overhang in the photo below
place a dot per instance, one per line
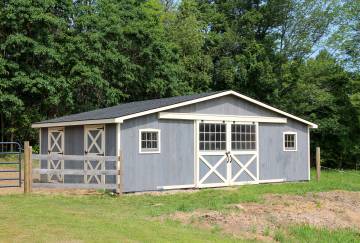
(164, 108)
(75, 123)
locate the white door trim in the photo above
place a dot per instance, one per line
(100, 179)
(51, 164)
(228, 179)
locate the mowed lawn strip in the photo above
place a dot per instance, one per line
(52, 218)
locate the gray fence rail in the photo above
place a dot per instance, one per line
(76, 171)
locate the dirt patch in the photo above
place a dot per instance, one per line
(50, 191)
(332, 210)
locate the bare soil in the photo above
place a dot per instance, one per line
(331, 210)
(50, 191)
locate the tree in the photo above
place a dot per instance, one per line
(185, 30)
(31, 37)
(345, 40)
(322, 96)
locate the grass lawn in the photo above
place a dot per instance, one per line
(132, 218)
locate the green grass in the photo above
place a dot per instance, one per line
(49, 218)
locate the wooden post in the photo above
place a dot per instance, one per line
(318, 166)
(118, 174)
(27, 167)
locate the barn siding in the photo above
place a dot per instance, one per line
(44, 141)
(110, 139)
(227, 105)
(276, 163)
(74, 145)
(74, 140)
(173, 166)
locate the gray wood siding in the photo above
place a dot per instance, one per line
(173, 166)
(74, 145)
(110, 139)
(44, 141)
(74, 140)
(275, 163)
(227, 105)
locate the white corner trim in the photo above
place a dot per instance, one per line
(159, 141)
(296, 142)
(74, 123)
(215, 117)
(308, 138)
(272, 181)
(176, 187)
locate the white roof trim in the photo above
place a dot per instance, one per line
(312, 125)
(74, 123)
(216, 117)
(221, 94)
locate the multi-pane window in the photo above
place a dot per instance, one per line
(243, 137)
(290, 141)
(212, 136)
(149, 141)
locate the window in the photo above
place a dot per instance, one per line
(290, 143)
(149, 141)
(212, 136)
(243, 137)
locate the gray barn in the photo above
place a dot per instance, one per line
(203, 140)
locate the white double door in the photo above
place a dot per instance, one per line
(227, 153)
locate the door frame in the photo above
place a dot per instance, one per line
(101, 179)
(60, 163)
(197, 153)
(103, 143)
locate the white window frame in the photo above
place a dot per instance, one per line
(296, 142)
(141, 151)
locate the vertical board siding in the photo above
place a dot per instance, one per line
(74, 145)
(173, 166)
(227, 105)
(110, 139)
(74, 140)
(110, 150)
(275, 163)
(44, 141)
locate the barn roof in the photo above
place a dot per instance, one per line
(125, 111)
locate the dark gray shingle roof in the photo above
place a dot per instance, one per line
(127, 108)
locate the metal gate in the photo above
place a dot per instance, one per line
(10, 164)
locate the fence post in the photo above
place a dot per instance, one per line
(27, 167)
(318, 166)
(118, 174)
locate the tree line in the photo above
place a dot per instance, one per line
(59, 57)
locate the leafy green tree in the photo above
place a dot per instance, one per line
(345, 39)
(185, 30)
(322, 96)
(31, 38)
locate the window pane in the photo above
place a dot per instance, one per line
(212, 136)
(290, 141)
(149, 140)
(154, 144)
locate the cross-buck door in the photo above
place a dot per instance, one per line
(94, 146)
(55, 146)
(227, 154)
(212, 156)
(244, 154)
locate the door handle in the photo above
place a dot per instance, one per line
(228, 157)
